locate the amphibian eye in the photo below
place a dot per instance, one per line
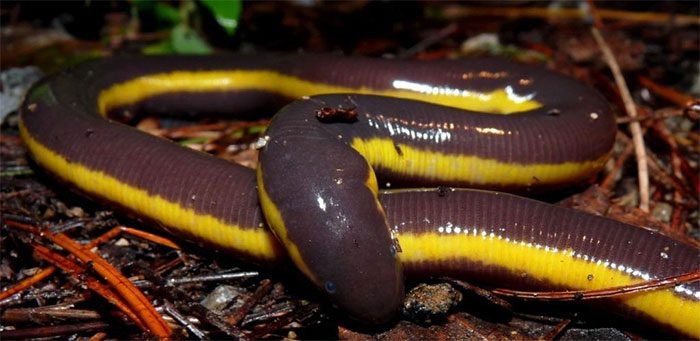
(330, 287)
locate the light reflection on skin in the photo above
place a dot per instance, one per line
(321, 203)
(426, 131)
(518, 98)
(494, 131)
(450, 228)
(397, 127)
(445, 90)
(435, 131)
(338, 220)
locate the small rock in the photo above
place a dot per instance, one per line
(426, 303)
(220, 297)
(122, 242)
(662, 211)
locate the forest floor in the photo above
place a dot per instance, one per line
(204, 294)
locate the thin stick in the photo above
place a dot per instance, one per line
(53, 331)
(47, 315)
(133, 297)
(99, 336)
(460, 11)
(655, 116)
(238, 315)
(609, 179)
(115, 231)
(631, 108)
(27, 282)
(92, 283)
(557, 330)
(575, 295)
(666, 92)
(150, 237)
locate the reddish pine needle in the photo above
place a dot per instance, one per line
(150, 237)
(27, 282)
(666, 92)
(93, 284)
(575, 295)
(134, 298)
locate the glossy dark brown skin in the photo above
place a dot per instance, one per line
(319, 185)
(64, 118)
(648, 253)
(568, 113)
(523, 219)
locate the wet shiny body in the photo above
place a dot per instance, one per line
(540, 139)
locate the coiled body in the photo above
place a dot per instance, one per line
(532, 138)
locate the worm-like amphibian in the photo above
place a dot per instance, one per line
(482, 123)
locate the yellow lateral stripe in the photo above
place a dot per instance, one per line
(381, 153)
(559, 267)
(138, 89)
(275, 221)
(254, 241)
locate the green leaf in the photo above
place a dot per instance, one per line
(167, 13)
(162, 12)
(237, 134)
(194, 140)
(257, 129)
(226, 12)
(143, 5)
(162, 47)
(185, 40)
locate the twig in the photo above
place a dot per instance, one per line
(93, 284)
(27, 282)
(133, 296)
(99, 336)
(430, 40)
(680, 166)
(631, 108)
(262, 330)
(170, 309)
(45, 272)
(609, 179)
(238, 315)
(575, 295)
(677, 167)
(457, 12)
(666, 92)
(557, 330)
(168, 265)
(662, 175)
(43, 332)
(112, 233)
(275, 311)
(150, 237)
(483, 293)
(47, 315)
(212, 278)
(655, 116)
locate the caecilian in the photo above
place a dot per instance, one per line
(484, 123)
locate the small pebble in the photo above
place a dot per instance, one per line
(122, 242)
(662, 211)
(220, 297)
(428, 303)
